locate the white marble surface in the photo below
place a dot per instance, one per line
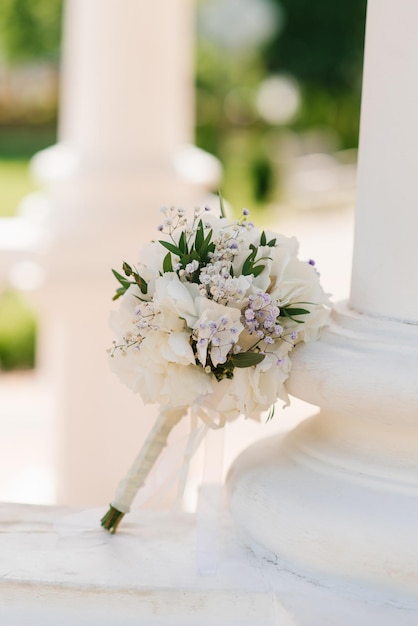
(57, 566)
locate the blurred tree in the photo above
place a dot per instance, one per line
(30, 29)
(321, 42)
(318, 44)
(17, 332)
(321, 45)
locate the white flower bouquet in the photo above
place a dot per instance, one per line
(208, 319)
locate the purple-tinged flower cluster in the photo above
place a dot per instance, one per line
(215, 337)
(260, 317)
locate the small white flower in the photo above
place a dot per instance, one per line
(192, 267)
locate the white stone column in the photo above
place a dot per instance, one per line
(145, 51)
(126, 114)
(337, 496)
(126, 123)
(384, 263)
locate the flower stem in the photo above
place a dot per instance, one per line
(111, 520)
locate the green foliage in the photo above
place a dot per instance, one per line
(22, 142)
(125, 284)
(15, 184)
(262, 175)
(17, 321)
(246, 359)
(17, 145)
(252, 265)
(30, 28)
(17, 332)
(188, 251)
(291, 312)
(321, 43)
(196, 247)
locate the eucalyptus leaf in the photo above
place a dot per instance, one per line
(167, 263)
(127, 269)
(170, 247)
(290, 311)
(183, 243)
(246, 359)
(123, 281)
(141, 283)
(119, 292)
(271, 413)
(200, 237)
(207, 245)
(248, 263)
(256, 270)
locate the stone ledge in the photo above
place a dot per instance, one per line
(59, 566)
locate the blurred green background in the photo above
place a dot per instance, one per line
(274, 79)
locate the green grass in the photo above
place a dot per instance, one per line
(17, 320)
(17, 146)
(17, 332)
(15, 184)
(21, 142)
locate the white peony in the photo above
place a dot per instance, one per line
(180, 342)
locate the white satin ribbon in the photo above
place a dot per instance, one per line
(209, 504)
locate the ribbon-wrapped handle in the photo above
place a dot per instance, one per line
(135, 478)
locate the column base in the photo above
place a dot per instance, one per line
(84, 191)
(337, 497)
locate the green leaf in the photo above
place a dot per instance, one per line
(207, 246)
(249, 261)
(123, 281)
(167, 263)
(141, 283)
(290, 311)
(183, 243)
(127, 269)
(170, 247)
(271, 413)
(200, 237)
(119, 292)
(272, 243)
(263, 239)
(246, 359)
(138, 280)
(188, 258)
(256, 270)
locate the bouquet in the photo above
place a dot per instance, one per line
(207, 322)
